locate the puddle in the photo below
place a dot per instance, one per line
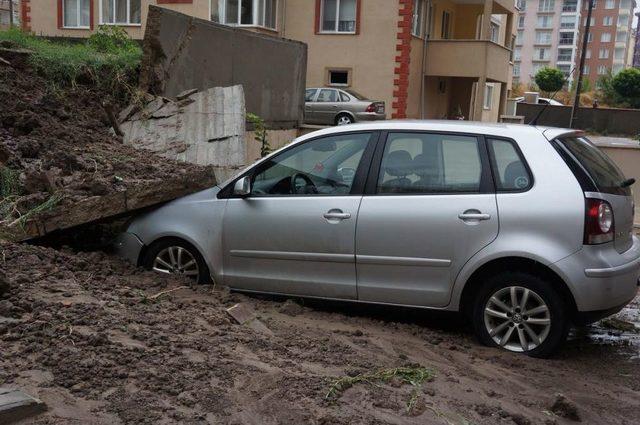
(621, 330)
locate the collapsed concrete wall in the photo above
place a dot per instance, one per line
(182, 52)
(204, 128)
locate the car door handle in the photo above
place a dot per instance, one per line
(474, 216)
(336, 215)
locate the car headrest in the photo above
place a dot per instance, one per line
(516, 176)
(399, 163)
(425, 165)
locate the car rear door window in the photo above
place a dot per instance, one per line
(510, 171)
(430, 163)
(327, 95)
(344, 97)
(606, 176)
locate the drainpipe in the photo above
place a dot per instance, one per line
(427, 35)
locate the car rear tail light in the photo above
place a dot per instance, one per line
(371, 108)
(598, 222)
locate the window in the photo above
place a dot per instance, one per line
(544, 21)
(587, 54)
(570, 5)
(619, 53)
(623, 20)
(488, 96)
(344, 97)
(607, 21)
(566, 70)
(339, 16)
(586, 4)
(564, 55)
(521, 4)
(260, 13)
(512, 173)
(519, 37)
(517, 54)
(516, 70)
(609, 4)
(566, 38)
(621, 36)
(567, 22)
(546, 5)
(603, 54)
(120, 12)
(325, 166)
(417, 25)
(521, 21)
(494, 35)
(541, 54)
(625, 4)
(617, 68)
(309, 94)
(590, 37)
(602, 70)
(543, 37)
(446, 28)
(338, 77)
(76, 13)
(592, 22)
(586, 70)
(605, 37)
(328, 95)
(430, 163)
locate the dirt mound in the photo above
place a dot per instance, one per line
(58, 155)
(103, 342)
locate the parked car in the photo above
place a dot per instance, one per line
(524, 229)
(541, 101)
(330, 106)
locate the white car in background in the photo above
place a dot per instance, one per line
(541, 101)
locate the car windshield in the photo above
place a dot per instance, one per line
(605, 174)
(356, 95)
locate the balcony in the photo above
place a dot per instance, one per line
(468, 58)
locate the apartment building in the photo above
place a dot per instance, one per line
(610, 41)
(547, 35)
(636, 42)
(5, 13)
(425, 59)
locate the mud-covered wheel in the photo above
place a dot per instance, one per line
(175, 256)
(522, 313)
(344, 119)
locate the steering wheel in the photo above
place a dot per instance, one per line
(309, 186)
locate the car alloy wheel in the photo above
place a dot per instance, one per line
(517, 318)
(176, 260)
(344, 120)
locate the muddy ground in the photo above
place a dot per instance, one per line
(102, 342)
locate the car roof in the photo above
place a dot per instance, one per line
(473, 127)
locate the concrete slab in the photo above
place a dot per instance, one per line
(242, 313)
(16, 405)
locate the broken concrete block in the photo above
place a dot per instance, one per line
(242, 313)
(16, 405)
(185, 94)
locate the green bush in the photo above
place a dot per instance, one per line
(626, 84)
(107, 60)
(549, 80)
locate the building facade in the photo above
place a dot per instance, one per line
(610, 44)
(636, 42)
(547, 35)
(5, 13)
(424, 59)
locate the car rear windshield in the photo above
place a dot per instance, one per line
(356, 95)
(606, 176)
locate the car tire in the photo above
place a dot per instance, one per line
(344, 119)
(542, 322)
(159, 254)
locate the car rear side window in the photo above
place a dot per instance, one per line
(606, 176)
(430, 163)
(510, 171)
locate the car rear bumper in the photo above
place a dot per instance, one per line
(600, 278)
(129, 247)
(370, 116)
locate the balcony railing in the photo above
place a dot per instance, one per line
(569, 8)
(566, 41)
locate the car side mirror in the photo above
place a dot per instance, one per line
(242, 187)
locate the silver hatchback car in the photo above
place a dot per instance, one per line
(331, 106)
(524, 229)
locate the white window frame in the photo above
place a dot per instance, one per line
(417, 22)
(255, 5)
(610, 4)
(543, 43)
(602, 70)
(587, 54)
(487, 101)
(120, 24)
(603, 53)
(78, 17)
(336, 30)
(607, 21)
(546, 6)
(602, 37)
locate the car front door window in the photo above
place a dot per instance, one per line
(324, 166)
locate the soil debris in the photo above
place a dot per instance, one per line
(565, 408)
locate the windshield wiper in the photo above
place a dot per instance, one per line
(628, 182)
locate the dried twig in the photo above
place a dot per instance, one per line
(159, 294)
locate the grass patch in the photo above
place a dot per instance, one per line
(109, 59)
(411, 375)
